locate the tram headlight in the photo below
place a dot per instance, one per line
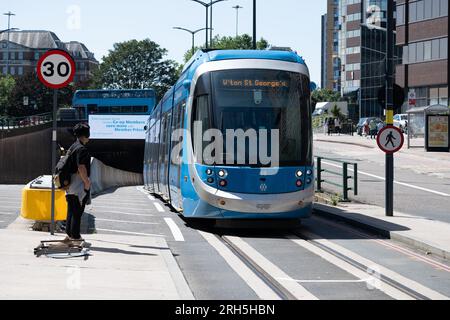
(210, 180)
(299, 173)
(308, 181)
(223, 183)
(299, 183)
(209, 172)
(309, 172)
(222, 173)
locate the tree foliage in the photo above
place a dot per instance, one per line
(7, 84)
(324, 95)
(242, 42)
(40, 98)
(136, 65)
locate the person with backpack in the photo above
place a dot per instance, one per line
(78, 191)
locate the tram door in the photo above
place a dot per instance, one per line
(177, 154)
(164, 156)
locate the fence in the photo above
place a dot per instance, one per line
(24, 122)
(321, 178)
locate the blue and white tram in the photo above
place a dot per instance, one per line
(263, 94)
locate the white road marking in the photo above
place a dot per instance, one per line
(151, 198)
(176, 232)
(132, 233)
(425, 291)
(124, 213)
(327, 281)
(7, 214)
(125, 221)
(294, 288)
(391, 291)
(121, 203)
(112, 206)
(408, 185)
(263, 291)
(158, 207)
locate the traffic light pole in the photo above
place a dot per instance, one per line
(390, 106)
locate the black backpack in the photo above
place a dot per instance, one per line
(64, 170)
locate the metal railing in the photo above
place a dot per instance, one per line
(23, 122)
(344, 174)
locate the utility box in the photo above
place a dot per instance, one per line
(36, 201)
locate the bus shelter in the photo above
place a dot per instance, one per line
(418, 129)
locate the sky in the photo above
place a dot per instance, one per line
(101, 23)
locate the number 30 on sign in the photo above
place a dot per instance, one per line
(56, 69)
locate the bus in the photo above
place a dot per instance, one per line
(113, 102)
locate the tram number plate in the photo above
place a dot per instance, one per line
(263, 206)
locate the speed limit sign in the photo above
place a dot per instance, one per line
(56, 69)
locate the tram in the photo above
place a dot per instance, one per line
(232, 139)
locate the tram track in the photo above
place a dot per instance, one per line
(390, 285)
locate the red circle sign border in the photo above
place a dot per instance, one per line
(398, 148)
(72, 65)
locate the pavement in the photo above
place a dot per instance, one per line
(120, 266)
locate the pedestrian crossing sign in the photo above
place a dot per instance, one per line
(390, 139)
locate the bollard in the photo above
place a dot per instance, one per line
(345, 181)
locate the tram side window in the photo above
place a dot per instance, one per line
(200, 117)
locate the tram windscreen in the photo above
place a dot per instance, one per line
(267, 100)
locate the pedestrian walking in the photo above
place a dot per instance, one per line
(78, 193)
(366, 128)
(330, 126)
(380, 127)
(337, 125)
(325, 126)
(373, 129)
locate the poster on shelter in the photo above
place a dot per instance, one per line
(438, 127)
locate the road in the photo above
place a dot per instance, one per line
(422, 186)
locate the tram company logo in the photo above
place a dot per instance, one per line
(263, 187)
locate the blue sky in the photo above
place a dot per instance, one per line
(101, 23)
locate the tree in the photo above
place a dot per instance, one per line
(136, 65)
(336, 112)
(242, 42)
(324, 95)
(7, 84)
(40, 98)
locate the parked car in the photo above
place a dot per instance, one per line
(401, 121)
(360, 125)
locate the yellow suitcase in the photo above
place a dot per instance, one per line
(36, 201)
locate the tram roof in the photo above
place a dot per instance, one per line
(289, 56)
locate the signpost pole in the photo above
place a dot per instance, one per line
(55, 106)
(389, 190)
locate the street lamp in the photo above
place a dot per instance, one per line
(208, 6)
(192, 32)
(254, 24)
(237, 18)
(9, 14)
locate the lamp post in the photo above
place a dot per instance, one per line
(254, 24)
(237, 18)
(192, 32)
(9, 14)
(208, 6)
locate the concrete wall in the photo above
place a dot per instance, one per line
(104, 177)
(25, 157)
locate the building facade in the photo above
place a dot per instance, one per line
(24, 49)
(331, 65)
(422, 33)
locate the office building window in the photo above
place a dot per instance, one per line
(419, 52)
(13, 71)
(20, 71)
(412, 53)
(427, 50)
(5, 55)
(443, 48)
(435, 7)
(412, 11)
(400, 15)
(444, 8)
(419, 10)
(12, 56)
(36, 56)
(427, 9)
(443, 96)
(20, 55)
(4, 70)
(435, 49)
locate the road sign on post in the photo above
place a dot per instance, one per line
(390, 139)
(55, 69)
